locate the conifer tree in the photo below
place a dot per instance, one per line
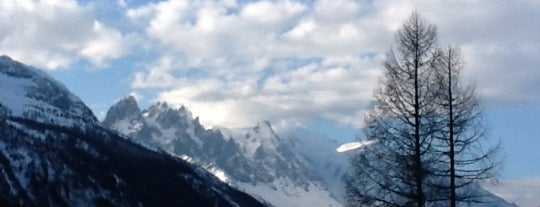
(403, 121)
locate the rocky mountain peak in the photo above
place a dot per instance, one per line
(126, 107)
(264, 128)
(124, 117)
(167, 116)
(249, 155)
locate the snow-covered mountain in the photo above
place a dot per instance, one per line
(319, 153)
(255, 159)
(294, 168)
(54, 153)
(32, 94)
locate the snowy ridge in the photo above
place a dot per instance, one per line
(162, 113)
(29, 93)
(262, 136)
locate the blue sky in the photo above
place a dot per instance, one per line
(311, 64)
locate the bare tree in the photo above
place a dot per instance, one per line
(403, 120)
(461, 134)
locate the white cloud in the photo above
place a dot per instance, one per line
(158, 76)
(234, 63)
(523, 192)
(267, 12)
(55, 34)
(319, 90)
(106, 43)
(499, 41)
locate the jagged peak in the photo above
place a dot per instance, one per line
(167, 116)
(264, 123)
(196, 121)
(125, 108)
(129, 100)
(265, 128)
(164, 107)
(130, 97)
(162, 104)
(130, 103)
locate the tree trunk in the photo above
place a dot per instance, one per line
(451, 135)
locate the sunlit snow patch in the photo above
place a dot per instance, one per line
(355, 145)
(219, 174)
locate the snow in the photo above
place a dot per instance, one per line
(166, 137)
(41, 74)
(355, 145)
(318, 153)
(191, 128)
(220, 174)
(170, 134)
(251, 139)
(127, 127)
(283, 193)
(186, 158)
(13, 94)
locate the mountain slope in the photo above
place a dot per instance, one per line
(54, 153)
(320, 154)
(255, 159)
(30, 93)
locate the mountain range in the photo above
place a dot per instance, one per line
(53, 152)
(254, 159)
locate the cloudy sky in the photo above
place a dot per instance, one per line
(297, 63)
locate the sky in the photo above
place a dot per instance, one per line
(296, 63)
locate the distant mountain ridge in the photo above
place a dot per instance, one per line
(54, 153)
(255, 159)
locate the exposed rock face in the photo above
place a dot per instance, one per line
(254, 159)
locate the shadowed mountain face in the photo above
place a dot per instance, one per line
(54, 153)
